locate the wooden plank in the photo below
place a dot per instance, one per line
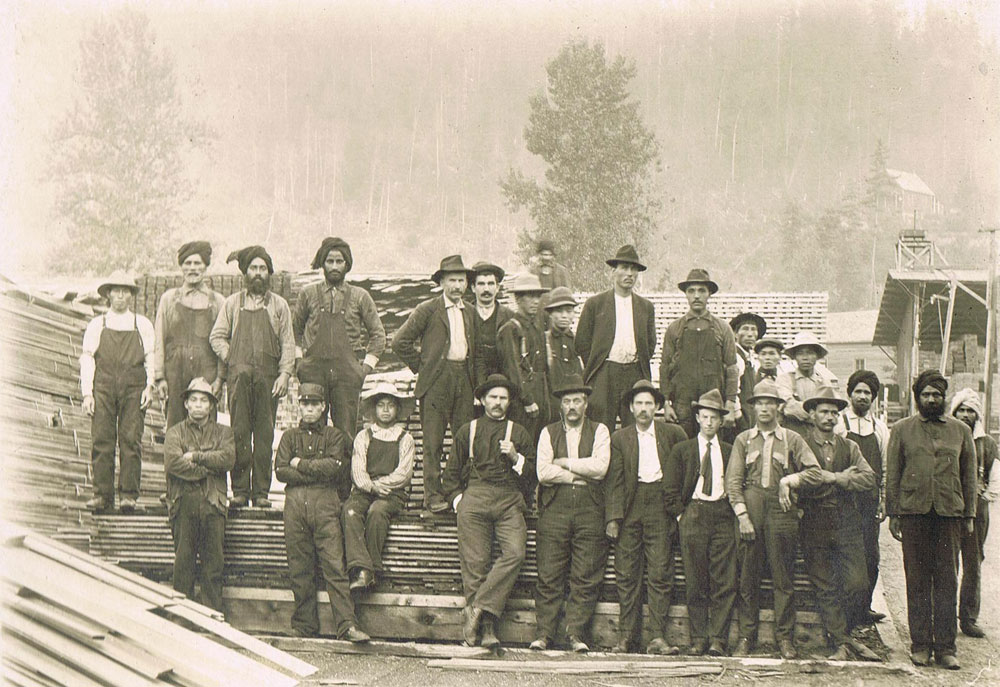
(377, 648)
(35, 660)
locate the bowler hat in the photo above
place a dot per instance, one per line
(199, 384)
(698, 276)
(573, 384)
(803, 340)
(118, 278)
(765, 388)
(768, 342)
(371, 396)
(711, 400)
(644, 386)
(483, 267)
(824, 394)
(526, 283)
(560, 297)
(492, 382)
(626, 254)
(311, 392)
(451, 263)
(745, 317)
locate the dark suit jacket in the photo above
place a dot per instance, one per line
(683, 469)
(422, 342)
(623, 472)
(595, 332)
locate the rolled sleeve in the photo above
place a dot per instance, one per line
(547, 472)
(594, 466)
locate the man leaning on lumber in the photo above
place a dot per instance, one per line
(197, 454)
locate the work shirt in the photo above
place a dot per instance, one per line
(581, 468)
(488, 466)
(123, 322)
(718, 486)
(789, 455)
(360, 314)
(623, 348)
(863, 425)
(213, 454)
(794, 388)
(200, 297)
(279, 315)
(830, 454)
(322, 450)
(458, 349)
(398, 478)
(672, 338)
(649, 457)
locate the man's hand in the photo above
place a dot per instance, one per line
(894, 528)
(669, 414)
(88, 405)
(162, 389)
(381, 489)
(881, 514)
(458, 500)
(507, 447)
(294, 462)
(280, 387)
(784, 494)
(827, 476)
(747, 532)
(969, 525)
(611, 530)
(366, 370)
(217, 388)
(147, 396)
(532, 410)
(190, 457)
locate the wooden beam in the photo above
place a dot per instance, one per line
(946, 342)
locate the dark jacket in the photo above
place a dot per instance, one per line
(595, 332)
(489, 465)
(486, 360)
(683, 470)
(623, 473)
(522, 350)
(422, 342)
(563, 360)
(213, 454)
(324, 454)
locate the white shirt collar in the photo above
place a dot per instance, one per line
(460, 304)
(648, 432)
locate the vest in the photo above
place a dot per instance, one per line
(557, 439)
(829, 494)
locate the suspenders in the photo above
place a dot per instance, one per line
(472, 439)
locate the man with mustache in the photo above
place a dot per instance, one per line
(253, 337)
(931, 498)
(804, 381)
(699, 354)
(328, 322)
(489, 316)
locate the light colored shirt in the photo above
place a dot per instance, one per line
(200, 297)
(398, 478)
(579, 468)
(718, 486)
(794, 388)
(123, 322)
(623, 349)
(279, 315)
(864, 426)
(458, 349)
(649, 458)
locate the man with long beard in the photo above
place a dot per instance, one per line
(328, 321)
(253, 336)
(931, 498)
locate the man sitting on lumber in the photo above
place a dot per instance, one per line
(197, 454)
(381, 468)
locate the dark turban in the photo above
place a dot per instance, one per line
(545, 245)
(329, 244)
(863, 377)
(202, 248)
(930, 378)
(245, 256)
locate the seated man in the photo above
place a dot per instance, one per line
(381, 469)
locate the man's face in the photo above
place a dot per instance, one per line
(454, 284)
(527, 303)
(709, 422)
(861, 399)
(643, 407)
(806, 358)
(485, 288)
(198, 405)
(193, 269)
(495, 402)
(624, 275)
(573, 407)
(334, 267)
(120, 298)
(386, 409)
(967, 415)
(562, 318)
(824, 416)
(930, 402)
(258, 277)
(746, 335)
(311, 410)
(769, 357)
(546, 258)
(766, 410)
(697, 295)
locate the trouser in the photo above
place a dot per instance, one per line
(447, 402)
(252, 412)
(835, 561)
(775, 541)
(610, 383)
(487, 511)
(930, 563)
(870, 527)
(118, 420)
(708, 548)
(313, 538)
(571, 546)
(341, 384)
(645, 541)
(366, 526)
(972, 559)
(198, 530)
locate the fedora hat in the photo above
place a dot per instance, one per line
(824, 394)
(803, 339)
(492, 382)
(118, 278)
(451, 263)
(711, 400)
(560, 297)
(644, 385)
(768, 342)
(573, 384)
(199, 384)
(483, 267)
(745, 317)
(628, 255)
(311, 392)
(698, 276)
(370, 397)
(526, 283)
(765, 388)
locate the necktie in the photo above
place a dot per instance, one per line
(706, 471)
(765, 465)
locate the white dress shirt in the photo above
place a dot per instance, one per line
(580, 468)
(623, 348)
(458, 349)
(649, 458)
(718, 485)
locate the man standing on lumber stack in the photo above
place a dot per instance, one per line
(184, 319)
(560, 345)
(747, 328)
(437, 343)
(381, 469)
(328, 322)
(116, 378)
(488, 317)
(615, 338)
(544, 266)
(197, 454)
(803, 382)
(699, 354)
(573, 458)
(313, 462)
(488, 479)
(253, 337)
(637, 519)
(768, 462)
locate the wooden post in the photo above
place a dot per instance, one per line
(946, 342)
(917, 303)
(991, 324)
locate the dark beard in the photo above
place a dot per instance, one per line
(333, 278)
(932, 412)
(258, 286)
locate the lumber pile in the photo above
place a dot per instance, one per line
(71, 619)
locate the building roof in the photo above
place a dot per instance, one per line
(908, 181)
(855, 326)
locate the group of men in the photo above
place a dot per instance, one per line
(750, 463)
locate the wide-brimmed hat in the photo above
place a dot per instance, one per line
(526, 283)
(560, 297)
(118, 278)
(628, 255)
(370, 397)
(573, 384)
(312, 392)
(644, 386)
(803, 339)
(698, 276)
(199, 384)
(766, 388)
(824, 394)
(711, 400)
(766, 342)
(493, 381)
(483, 267)
(745, 317)
(451, 263)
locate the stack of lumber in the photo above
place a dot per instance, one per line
(71, 619)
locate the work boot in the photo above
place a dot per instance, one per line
(717, 648)
(698, 648)
(578, 645)
(364, 580)
(862, 651)
(971, 629)
(948, 662)
(97, 503)
(262, 503)
(540, 644)
(874, 616)
(300, 633)
(659, 647)
(238, 502)
(787, 649)
(490, 639)
(921, 657)
(621, 647)
(355, 635)
(470, 624)
(841, 654)
(743, 647)
(127, 505)
(437, 506)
